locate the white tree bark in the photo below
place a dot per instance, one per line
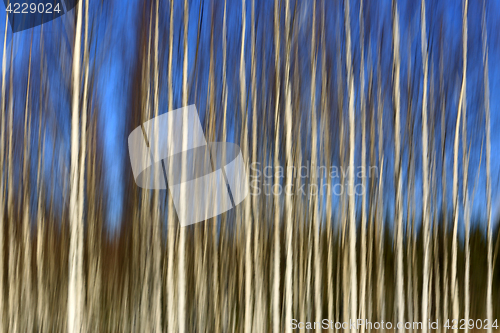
(362, 276)
(313, 201)
(425, 174)
(75, 262)
(352, 143)
(182, 237)
(465, 166)
(171, 292)
(398, 214)
(276, 313)
(454, 282)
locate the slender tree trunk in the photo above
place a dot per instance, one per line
(398, 215)
(156, 318)
(380, 205)
(75, 285)
(171, 292)
(313, 184)
(276, 313)
(352, 144)
(444, 204)
(246, 208)
(258, 319)
(465, 165)
(362, 277)
(182, 274)
(425, 174)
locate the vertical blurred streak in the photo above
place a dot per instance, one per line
(2, 181)
(83, 156)
(314, 161)
(444, 203)
(182, 274)
(372, 202)
(226, 315)
(75, 258)
(211, 109)
(157, 225)
(456, 207)
(342, 280)
(380, 200)
(276, 313)
(352, 143)
(288, 223)
(397, 167)
(362, 292)
(145, 215)
(259, 320)
(342, 289)
(489, 283)
(435, 250)
(26, 292)
(325, 111)
(40, 219)
(410, 289)
(465, 162)
(171, 308)
(245, 152)
(13, 252)
(41, 285)
(425, 172)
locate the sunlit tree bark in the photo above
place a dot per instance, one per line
(363, 240)
(313, 202)
(276, 313)
(465, 166)
(398, 214)
(352, 143)
(75, 285)
(425, 174)
(171, 255)
(182, 274)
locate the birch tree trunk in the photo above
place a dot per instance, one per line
(171, 255)
(444, 194)
(398, 214)
(246, 208)
(454, 282)
(276, 313)
(352, 144)
(362, 277)
(465, 165)
(156, 293)
(425, 174)
(182, 274)
(314, 183)
(75, 285)
(380, 200)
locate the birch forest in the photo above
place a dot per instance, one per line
(368, 131)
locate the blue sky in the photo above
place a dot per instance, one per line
(117, 40)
